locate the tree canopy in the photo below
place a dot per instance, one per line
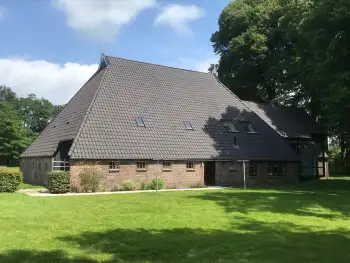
(21, 120)
(292, 53)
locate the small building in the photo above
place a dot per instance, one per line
(307, 138)
(138, 121)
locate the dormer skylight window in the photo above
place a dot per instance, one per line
(249, 128)
(230, 127)
(188, 125)
(140, 122)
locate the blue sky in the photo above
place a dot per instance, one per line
(52, 47)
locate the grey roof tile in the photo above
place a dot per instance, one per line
(165, 97)
(290, 122)
(74, 112)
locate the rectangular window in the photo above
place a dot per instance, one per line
(188, 125)
(269, 170)
(252, 169)
(114, 166)
(190, 166)
(274, 169)
(166, 165)
(230, 127)
(233, 166)
(141, 166)
(140, 122)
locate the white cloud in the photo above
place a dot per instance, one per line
(198, 63)
(101, 18)
(178, 17)
(57, 83)
(203, 65)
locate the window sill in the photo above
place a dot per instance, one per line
(141, 170)
(166, 169)
(190, 170)
(114, 170)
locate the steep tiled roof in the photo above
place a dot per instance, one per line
(101, 118)
(166, 97)
(65, 126)
(291, 122)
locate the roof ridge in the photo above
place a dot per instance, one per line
(160, 65)
(87, 112)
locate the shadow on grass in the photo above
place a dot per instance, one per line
(251, 241)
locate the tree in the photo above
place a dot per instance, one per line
(21, 120)
(293, 52)
(254, 50)
(36, 113)
(14, 138)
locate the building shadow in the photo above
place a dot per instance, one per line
(264, 144)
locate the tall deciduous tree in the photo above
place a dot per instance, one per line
(254, 50)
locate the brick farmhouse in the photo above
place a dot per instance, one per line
(138, 121)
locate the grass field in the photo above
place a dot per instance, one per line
(305, 223)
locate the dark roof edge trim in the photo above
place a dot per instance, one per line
(87, 113)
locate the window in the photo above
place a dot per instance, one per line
(188, 125)
(141, 166)
(140, 122)
(113, 166)
(252, 169)
(230, 127)
(190, 166)
(166, 165)
(274, 169)
(249, 128)
(233, 166)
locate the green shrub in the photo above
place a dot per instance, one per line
(144, 186)
(10, 181)
(116, 188)
(198, 185)
(90, 179)
(154, 186)
(58, 182)
(127, 186)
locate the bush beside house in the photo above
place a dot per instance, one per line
(59, 182)
(10, 181)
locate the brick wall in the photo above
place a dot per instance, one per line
(225, 177)
(177, 177)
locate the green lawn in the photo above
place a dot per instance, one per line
(308, 223)
(30, 186)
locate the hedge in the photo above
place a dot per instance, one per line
(10, 181)
(58, 182)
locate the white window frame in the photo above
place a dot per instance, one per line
(251, 129)
(114, 166)
(189, 166)
(141, 166)
(188, 125)
(230, 127)
(166, 167)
